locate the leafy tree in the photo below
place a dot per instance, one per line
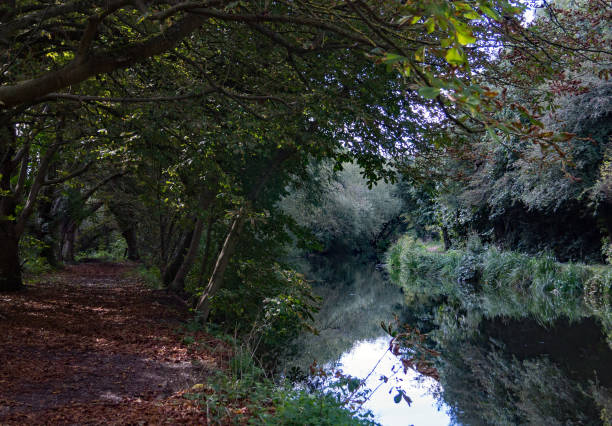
(113, 53)
(343, 211)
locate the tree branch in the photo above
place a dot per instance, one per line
(79, 70)
(88, 98)
(76, 173)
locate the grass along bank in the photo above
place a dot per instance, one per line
(486, 281)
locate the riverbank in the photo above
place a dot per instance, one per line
(495, 283)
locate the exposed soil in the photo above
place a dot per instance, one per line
(93, 345)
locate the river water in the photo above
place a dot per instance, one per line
(497, 371)
(356, 299)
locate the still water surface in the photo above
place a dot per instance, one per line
(493, 370)
(425, 408)
(356, 298)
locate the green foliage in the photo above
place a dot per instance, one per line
(598, 296)
(340, 208)
(501, 184)
(150, 275)
(31, 250)
(113, 249)
(300, 408)
(269, 307)
(606, 250)
(288, 313)
(505, 324)
(243, 393)
(492, 283)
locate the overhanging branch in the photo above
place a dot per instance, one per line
(88, 98)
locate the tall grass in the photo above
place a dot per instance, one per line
(502, 283)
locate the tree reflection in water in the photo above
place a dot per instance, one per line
(357, 298)
(492, 370)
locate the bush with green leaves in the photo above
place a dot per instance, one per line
(151, 275)
(267, 306)
(112, 248)
(501, 322)
(31, 250)
(533, 198)
(301, 408)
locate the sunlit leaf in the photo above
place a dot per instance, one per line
(392, 58)
(430, 25)
(465, 38)
(490, 12)
(454, 56)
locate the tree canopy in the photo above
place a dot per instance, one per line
(204, 112)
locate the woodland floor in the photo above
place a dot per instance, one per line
(93, 345)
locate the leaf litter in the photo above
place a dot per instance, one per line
(91, 344)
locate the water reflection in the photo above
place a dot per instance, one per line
(492, 369)
(357, 298)
(424, 409)
(521, 372)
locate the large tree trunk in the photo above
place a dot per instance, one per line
(10, 269)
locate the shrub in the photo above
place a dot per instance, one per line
(243, 394)
(30, 250)
(151, 275)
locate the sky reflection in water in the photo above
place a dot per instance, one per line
(356, 298)
(359, 361)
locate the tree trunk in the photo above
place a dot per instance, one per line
(446, 239)
(129, 235)
(207, 198)
(68, 240)
(207, 250)
(172, 268)
(227, 250)
(46, 224)
(10, 269)
(178, 283)
(231, 241)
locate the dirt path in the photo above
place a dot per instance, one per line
(92, 345)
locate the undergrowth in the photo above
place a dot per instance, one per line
(151, 276)
(245, 393)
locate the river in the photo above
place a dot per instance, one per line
(499, 371)
(356, 299)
